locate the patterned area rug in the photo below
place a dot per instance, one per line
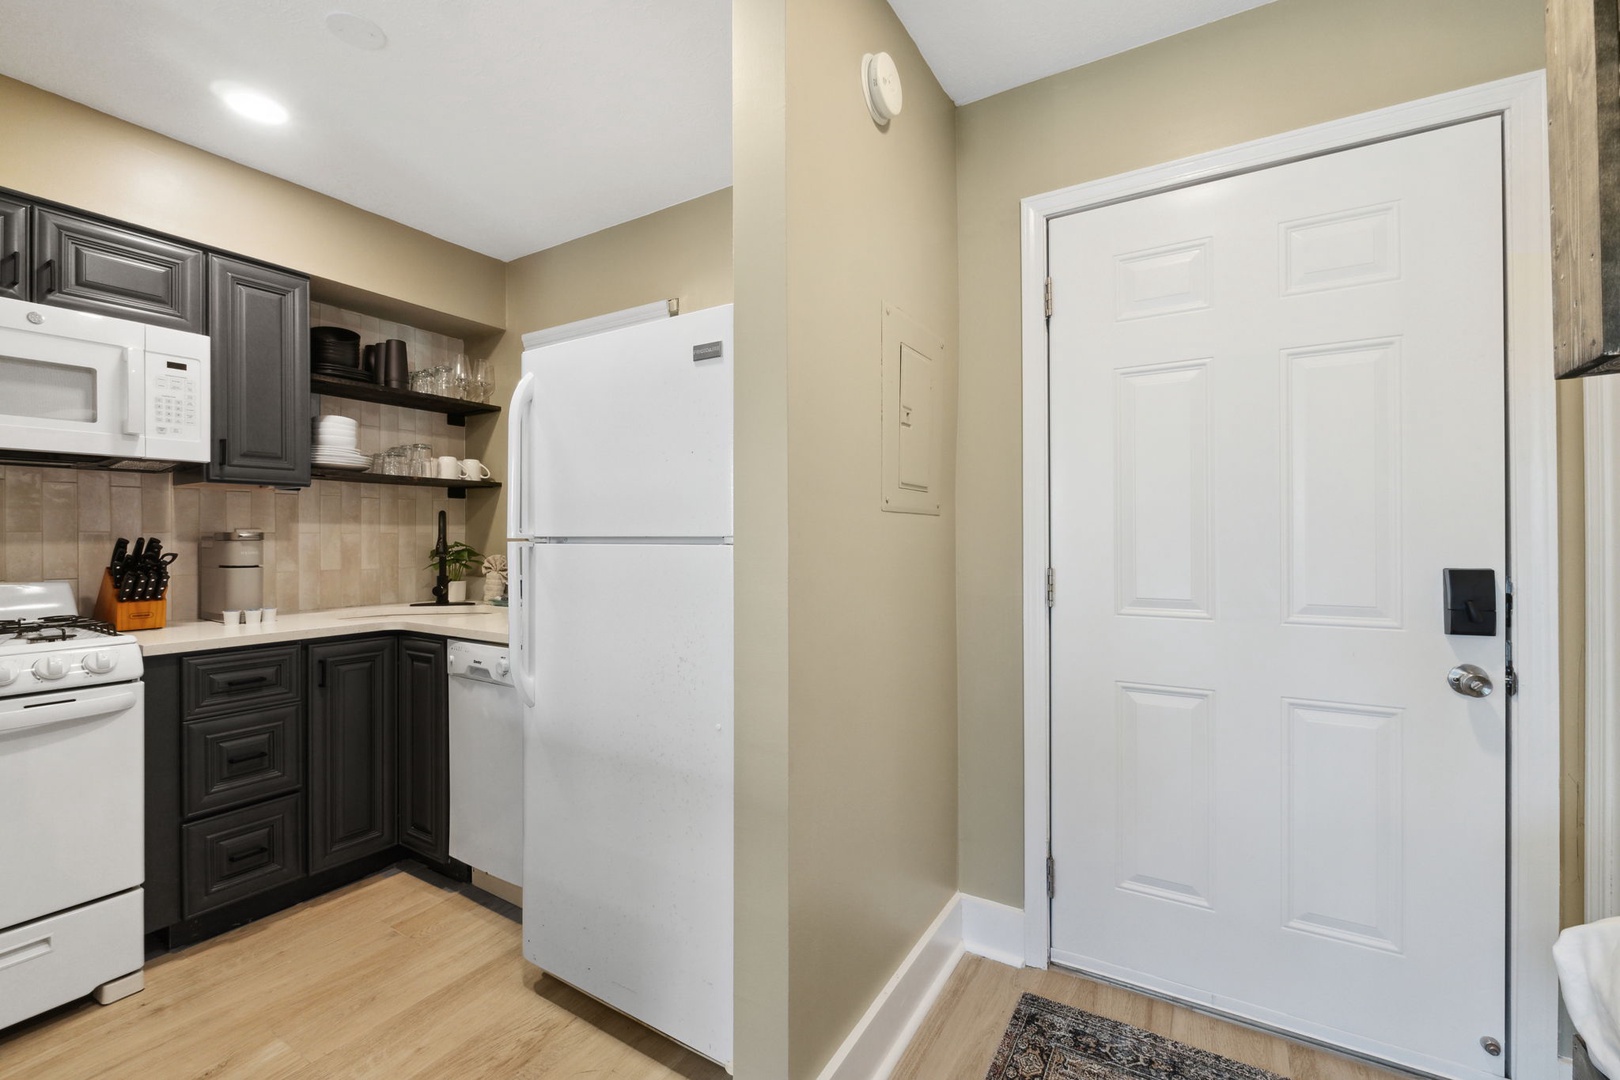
(1048, 1041)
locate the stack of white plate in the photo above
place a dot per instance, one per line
(337, 443)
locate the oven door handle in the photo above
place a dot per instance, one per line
(19, 714)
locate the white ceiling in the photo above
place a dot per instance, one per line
(506, 126)
(982, 47)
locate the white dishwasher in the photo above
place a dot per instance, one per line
(486, 761)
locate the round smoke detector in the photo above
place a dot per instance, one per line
(880, 81)
(356, 30)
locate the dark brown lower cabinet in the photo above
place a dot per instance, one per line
(424, 748)
(352, 750)
(276, 773)
(232, 856)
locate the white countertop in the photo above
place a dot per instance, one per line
(479, 622)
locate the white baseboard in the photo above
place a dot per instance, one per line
(966, 925)
(993, 931)
(874, 1048)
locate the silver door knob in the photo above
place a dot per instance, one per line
(1470, 681)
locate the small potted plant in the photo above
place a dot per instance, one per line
(458, 559)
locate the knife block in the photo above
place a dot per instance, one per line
(125, 615)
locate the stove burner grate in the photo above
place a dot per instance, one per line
(52, 628)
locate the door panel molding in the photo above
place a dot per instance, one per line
(1533, 872)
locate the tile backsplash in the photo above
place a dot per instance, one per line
(333, 544)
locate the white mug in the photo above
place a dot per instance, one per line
(473, 469)
(449, 468)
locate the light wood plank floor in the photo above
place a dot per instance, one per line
(401, 975)
(963, 1029)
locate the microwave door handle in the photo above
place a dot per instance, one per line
(134, 392)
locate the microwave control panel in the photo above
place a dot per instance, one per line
(178, 406)
(172, 403)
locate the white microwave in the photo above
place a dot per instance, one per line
(93, 387)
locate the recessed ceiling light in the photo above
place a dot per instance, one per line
(356, 30)
(251, 103)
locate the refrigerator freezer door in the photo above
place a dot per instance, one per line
(629, 433)
(627, 890)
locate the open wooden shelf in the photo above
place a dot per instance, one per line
(458, 488)
(456, 410)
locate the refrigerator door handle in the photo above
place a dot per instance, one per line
(520, 623)
(517, 458)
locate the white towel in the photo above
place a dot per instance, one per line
(1588, 961)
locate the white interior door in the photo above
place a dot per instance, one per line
(1277, 414)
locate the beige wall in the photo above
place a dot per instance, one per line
(863, 216)
(683, 251)
(1283, 66)
(760, 217)
(59, 150)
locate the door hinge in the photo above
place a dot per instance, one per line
(1048, 298)
(1051, 878)
(1051, 587)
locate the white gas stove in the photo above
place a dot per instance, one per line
(72, 795)
(52, 651)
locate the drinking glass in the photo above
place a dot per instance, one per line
(482, 382)
(422, 463)
(460, 376)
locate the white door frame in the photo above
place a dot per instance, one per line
(1533, 813)
(1601, 407)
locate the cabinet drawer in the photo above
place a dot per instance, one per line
(239, 759)
(235, 855)
(242, 678)
(102, 268)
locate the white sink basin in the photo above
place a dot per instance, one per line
(427, 611)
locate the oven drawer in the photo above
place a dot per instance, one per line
(234, 760)
(238, 679)
(57, 959)
(237, 854)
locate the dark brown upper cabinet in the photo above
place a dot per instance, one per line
(105, 269)
(260, 374)
(14, 248)
(352, 752)
(1583, 114)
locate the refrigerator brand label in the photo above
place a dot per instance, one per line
(710, 351)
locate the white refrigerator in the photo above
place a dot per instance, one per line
(620, 526)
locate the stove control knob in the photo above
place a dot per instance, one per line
(99, 662)
(50, 667)
(8, 674)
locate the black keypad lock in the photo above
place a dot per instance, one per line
(1471, 602)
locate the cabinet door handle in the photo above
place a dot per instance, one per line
(248, 854)
(320, 673)
(13, 268)
(47, 271)
(237, 759)
(233, 685)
